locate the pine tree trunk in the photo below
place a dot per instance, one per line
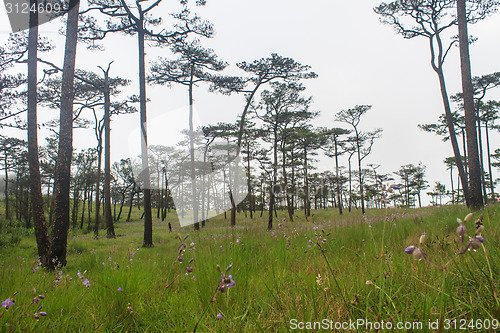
(41, 234)
(98, 186)
(339, 198)
(7, 213)
(492, 185)
(476, 197)
(146, 179)
(194, 196)
(63, 166)
(110, 230)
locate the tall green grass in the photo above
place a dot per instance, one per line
(303, 270)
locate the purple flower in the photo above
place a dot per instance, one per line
(219, 316)
(86, 283)
(315, 228)
(232, 283)
(7, 303)
(79, 274)
(475, 243)
(237, 240)
(119, 289)
(43, 313)
(410, 249)
(192, 244)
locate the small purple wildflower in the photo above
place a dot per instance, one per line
(237, 240)
(43, 313)
(315, 228)
(192, 244)
(86, 283)
(232, 283)
(119, 289)
(410, 249)
(7, 303)
(79, 274)
(219, 316)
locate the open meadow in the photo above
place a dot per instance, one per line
(341, 268)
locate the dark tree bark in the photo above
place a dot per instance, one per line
(63, 167)
(475, 195)
(272, 195)
(339, 198)
(110, 230)
(146, 179)
(41, 234)
(7, 212)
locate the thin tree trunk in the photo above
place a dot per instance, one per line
(272, 199)
(131, 203)
(492, 186)
(194, 200)
(83, 207)
(452, 189)
(110, 230)
(7, 213)
(251, 203)
(337, 176)
(307, 202)
(98, 187)
(146, 180)
(285, 185)
(480, 150)
(359, 174)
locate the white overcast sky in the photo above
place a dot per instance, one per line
(358, 60)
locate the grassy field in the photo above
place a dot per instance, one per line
(339, 268)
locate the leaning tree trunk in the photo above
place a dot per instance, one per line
(65, 151)
(41, 234)
(238, 149)
(438, 68)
